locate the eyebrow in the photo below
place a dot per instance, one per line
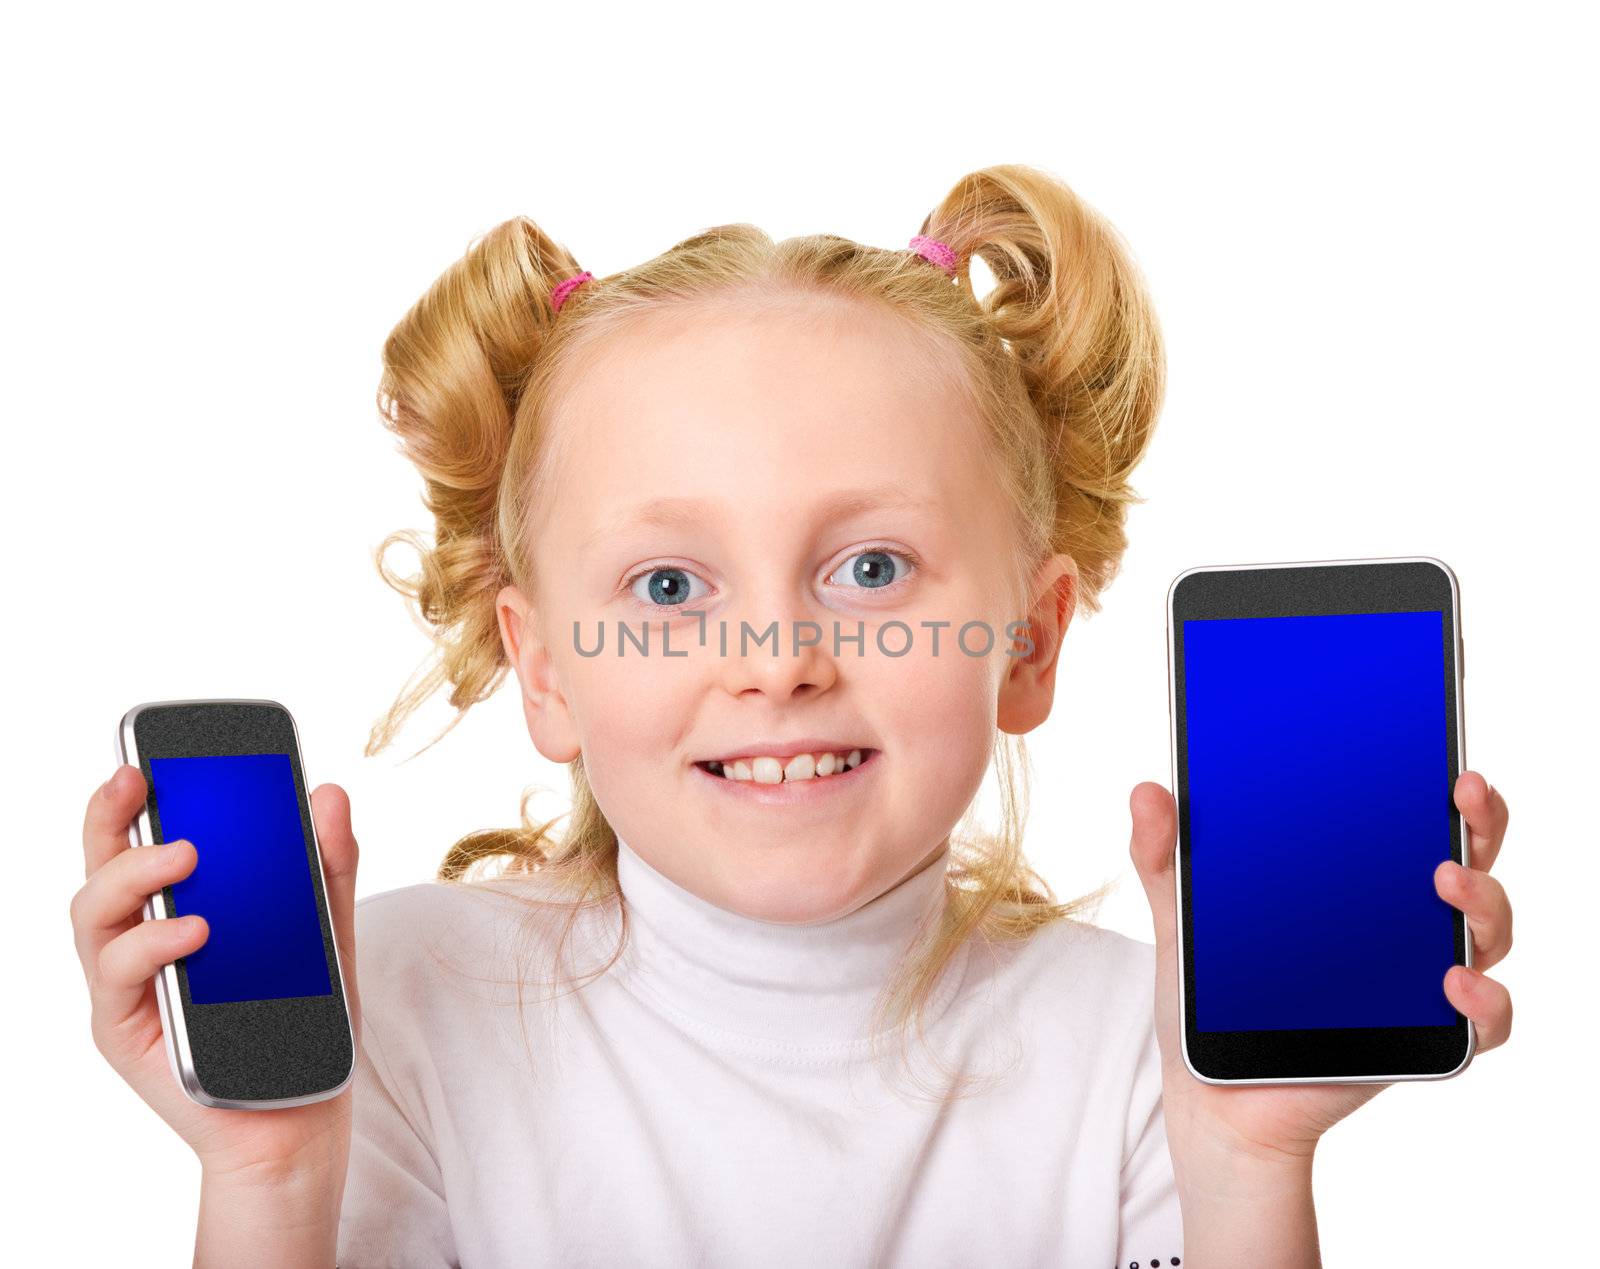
(674, 511)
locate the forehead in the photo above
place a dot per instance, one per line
(769, 405)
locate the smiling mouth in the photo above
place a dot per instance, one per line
(763, 769)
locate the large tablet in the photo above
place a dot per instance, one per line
(1316, 740)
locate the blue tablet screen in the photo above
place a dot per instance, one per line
(252, 881)
(1319, 807)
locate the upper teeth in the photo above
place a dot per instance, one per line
(766, 770)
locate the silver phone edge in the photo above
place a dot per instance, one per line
(1177, 881)
(169, 996)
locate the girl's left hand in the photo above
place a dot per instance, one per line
(1208, 1124)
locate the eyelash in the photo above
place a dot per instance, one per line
(899, 552)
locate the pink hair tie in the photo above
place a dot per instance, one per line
(558, 297)
(935, 252)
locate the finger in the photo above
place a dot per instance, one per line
(330, 808)
(1153, 848)
(1488, 910)
(1486, 814)
(112, 900)
(127, 963)
(111, 809)
(1482, 999)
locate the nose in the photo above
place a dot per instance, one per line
(780, 658)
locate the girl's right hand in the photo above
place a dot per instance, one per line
(121, 952)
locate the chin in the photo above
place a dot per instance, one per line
(791, 900)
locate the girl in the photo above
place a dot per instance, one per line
(781, 542)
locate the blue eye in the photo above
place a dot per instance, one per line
(877, 568)
(667, 587)
(874, 569)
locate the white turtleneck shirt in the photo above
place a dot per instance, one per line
(711, 1099)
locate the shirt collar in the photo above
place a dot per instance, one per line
(770, 986)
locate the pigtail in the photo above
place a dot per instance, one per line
(1070, 305)
(454, 370)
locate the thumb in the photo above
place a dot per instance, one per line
(1153, 847)
(330, 809)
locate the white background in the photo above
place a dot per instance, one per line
(1369, 231)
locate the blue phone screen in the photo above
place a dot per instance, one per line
(252, 880)
(1319, 807)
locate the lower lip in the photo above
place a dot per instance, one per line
(815, 791)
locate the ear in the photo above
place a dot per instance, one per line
(550, 722)
(1029, 687)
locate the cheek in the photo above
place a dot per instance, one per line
(631, 712)
(938, 712)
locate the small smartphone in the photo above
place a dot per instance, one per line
(255, 1017)
(1317, 735)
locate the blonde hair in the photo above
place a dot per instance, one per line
(1061, 360)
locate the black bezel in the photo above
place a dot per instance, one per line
(1308, 589)
(251, 1050)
